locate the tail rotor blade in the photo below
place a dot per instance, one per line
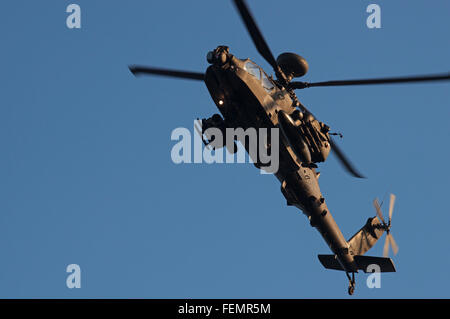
(378, 209)
(393, 244)
(386, 247)
(389, 240)
(391, 206)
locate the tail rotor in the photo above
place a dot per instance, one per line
(389, 241)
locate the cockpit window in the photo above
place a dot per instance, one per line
(266, 83)
(256, 71)
(253, 69)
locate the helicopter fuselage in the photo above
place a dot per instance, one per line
(247, 98)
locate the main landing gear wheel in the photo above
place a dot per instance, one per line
(351, 284)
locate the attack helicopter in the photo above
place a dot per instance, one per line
(247, 97)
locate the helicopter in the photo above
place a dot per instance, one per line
(247, 97)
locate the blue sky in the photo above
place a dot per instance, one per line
(87, 178)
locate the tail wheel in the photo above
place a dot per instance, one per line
(351, 289)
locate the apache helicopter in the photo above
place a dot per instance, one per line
(246, 97)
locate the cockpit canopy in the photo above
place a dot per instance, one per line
(259, 74)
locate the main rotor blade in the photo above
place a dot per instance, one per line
(405, 79)
(378, 210)
(344, 161)
(143, 70)
(393, 244)
(386, 247)
(391, 206)
(255, 33)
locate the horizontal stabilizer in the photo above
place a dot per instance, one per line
(362, 263)
(330, 262)
(385, 264)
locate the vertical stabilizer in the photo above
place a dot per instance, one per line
(366, 237)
